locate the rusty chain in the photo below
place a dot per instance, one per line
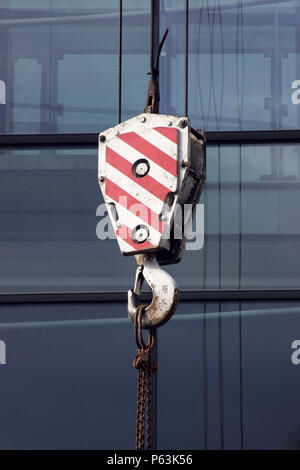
(145, 366)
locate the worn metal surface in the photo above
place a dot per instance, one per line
(191, 188)
(153, 98)
(162, 144)
(145, 365)
(173, 161)
(165, 294)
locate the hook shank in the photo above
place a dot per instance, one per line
(165, 295)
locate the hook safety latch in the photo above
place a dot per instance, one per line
(165, 294)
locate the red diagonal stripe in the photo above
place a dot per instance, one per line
(115, 192)
(170, 133)
(125, 233)
(125, 167)
(150, 151)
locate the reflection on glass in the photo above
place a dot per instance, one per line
(244, 57)
(48, 203)
(59, 64)
(251, 202)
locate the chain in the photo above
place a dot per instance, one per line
(145, 366)
(149, 410)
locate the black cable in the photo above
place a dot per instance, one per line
(152, 39)
(120, 61)
(186, 57)
(220, 379)
(204, 378)
(204, 332)
(240, 313)
(156, 63)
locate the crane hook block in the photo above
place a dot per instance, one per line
(149, 167)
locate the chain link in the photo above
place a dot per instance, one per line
(149, 410)
(145, 366)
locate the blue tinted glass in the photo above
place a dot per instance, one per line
(48, 242)
(238, 364)
(69, 397)
(49, 226)
(135, 56)
(251, 201)
(244, 63)
(59, 64)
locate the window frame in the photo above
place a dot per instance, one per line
(213, 138)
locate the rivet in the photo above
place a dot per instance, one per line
(142, 169)
(140, 234)
(183, 123)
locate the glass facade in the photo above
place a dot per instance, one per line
(50, 221)
(60, 64)
(227, 355)
(66, 382)
(244, 63)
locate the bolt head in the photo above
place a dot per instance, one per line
(184, 164)
(170, 123)
(102, 138)
(183, 123)
(140, 234)
(143, 119)
(102, 179)
(142, 169)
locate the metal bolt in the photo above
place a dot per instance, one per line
(143, 119)
(102, 138)
(184, 164)
(142, 169)
(102, 179)
(141, 235)
(170, 123)
(183, 123)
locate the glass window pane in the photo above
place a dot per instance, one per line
(135, 56)
(48, 242)
(242, 379)
(251, 204)
(244, 67)
(59, 64)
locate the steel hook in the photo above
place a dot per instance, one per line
(165, 293)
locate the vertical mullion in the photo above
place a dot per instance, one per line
(154, 31)
(186, 57)
(154, 42)
(221, 398)
(240, 304)
(120, 61)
